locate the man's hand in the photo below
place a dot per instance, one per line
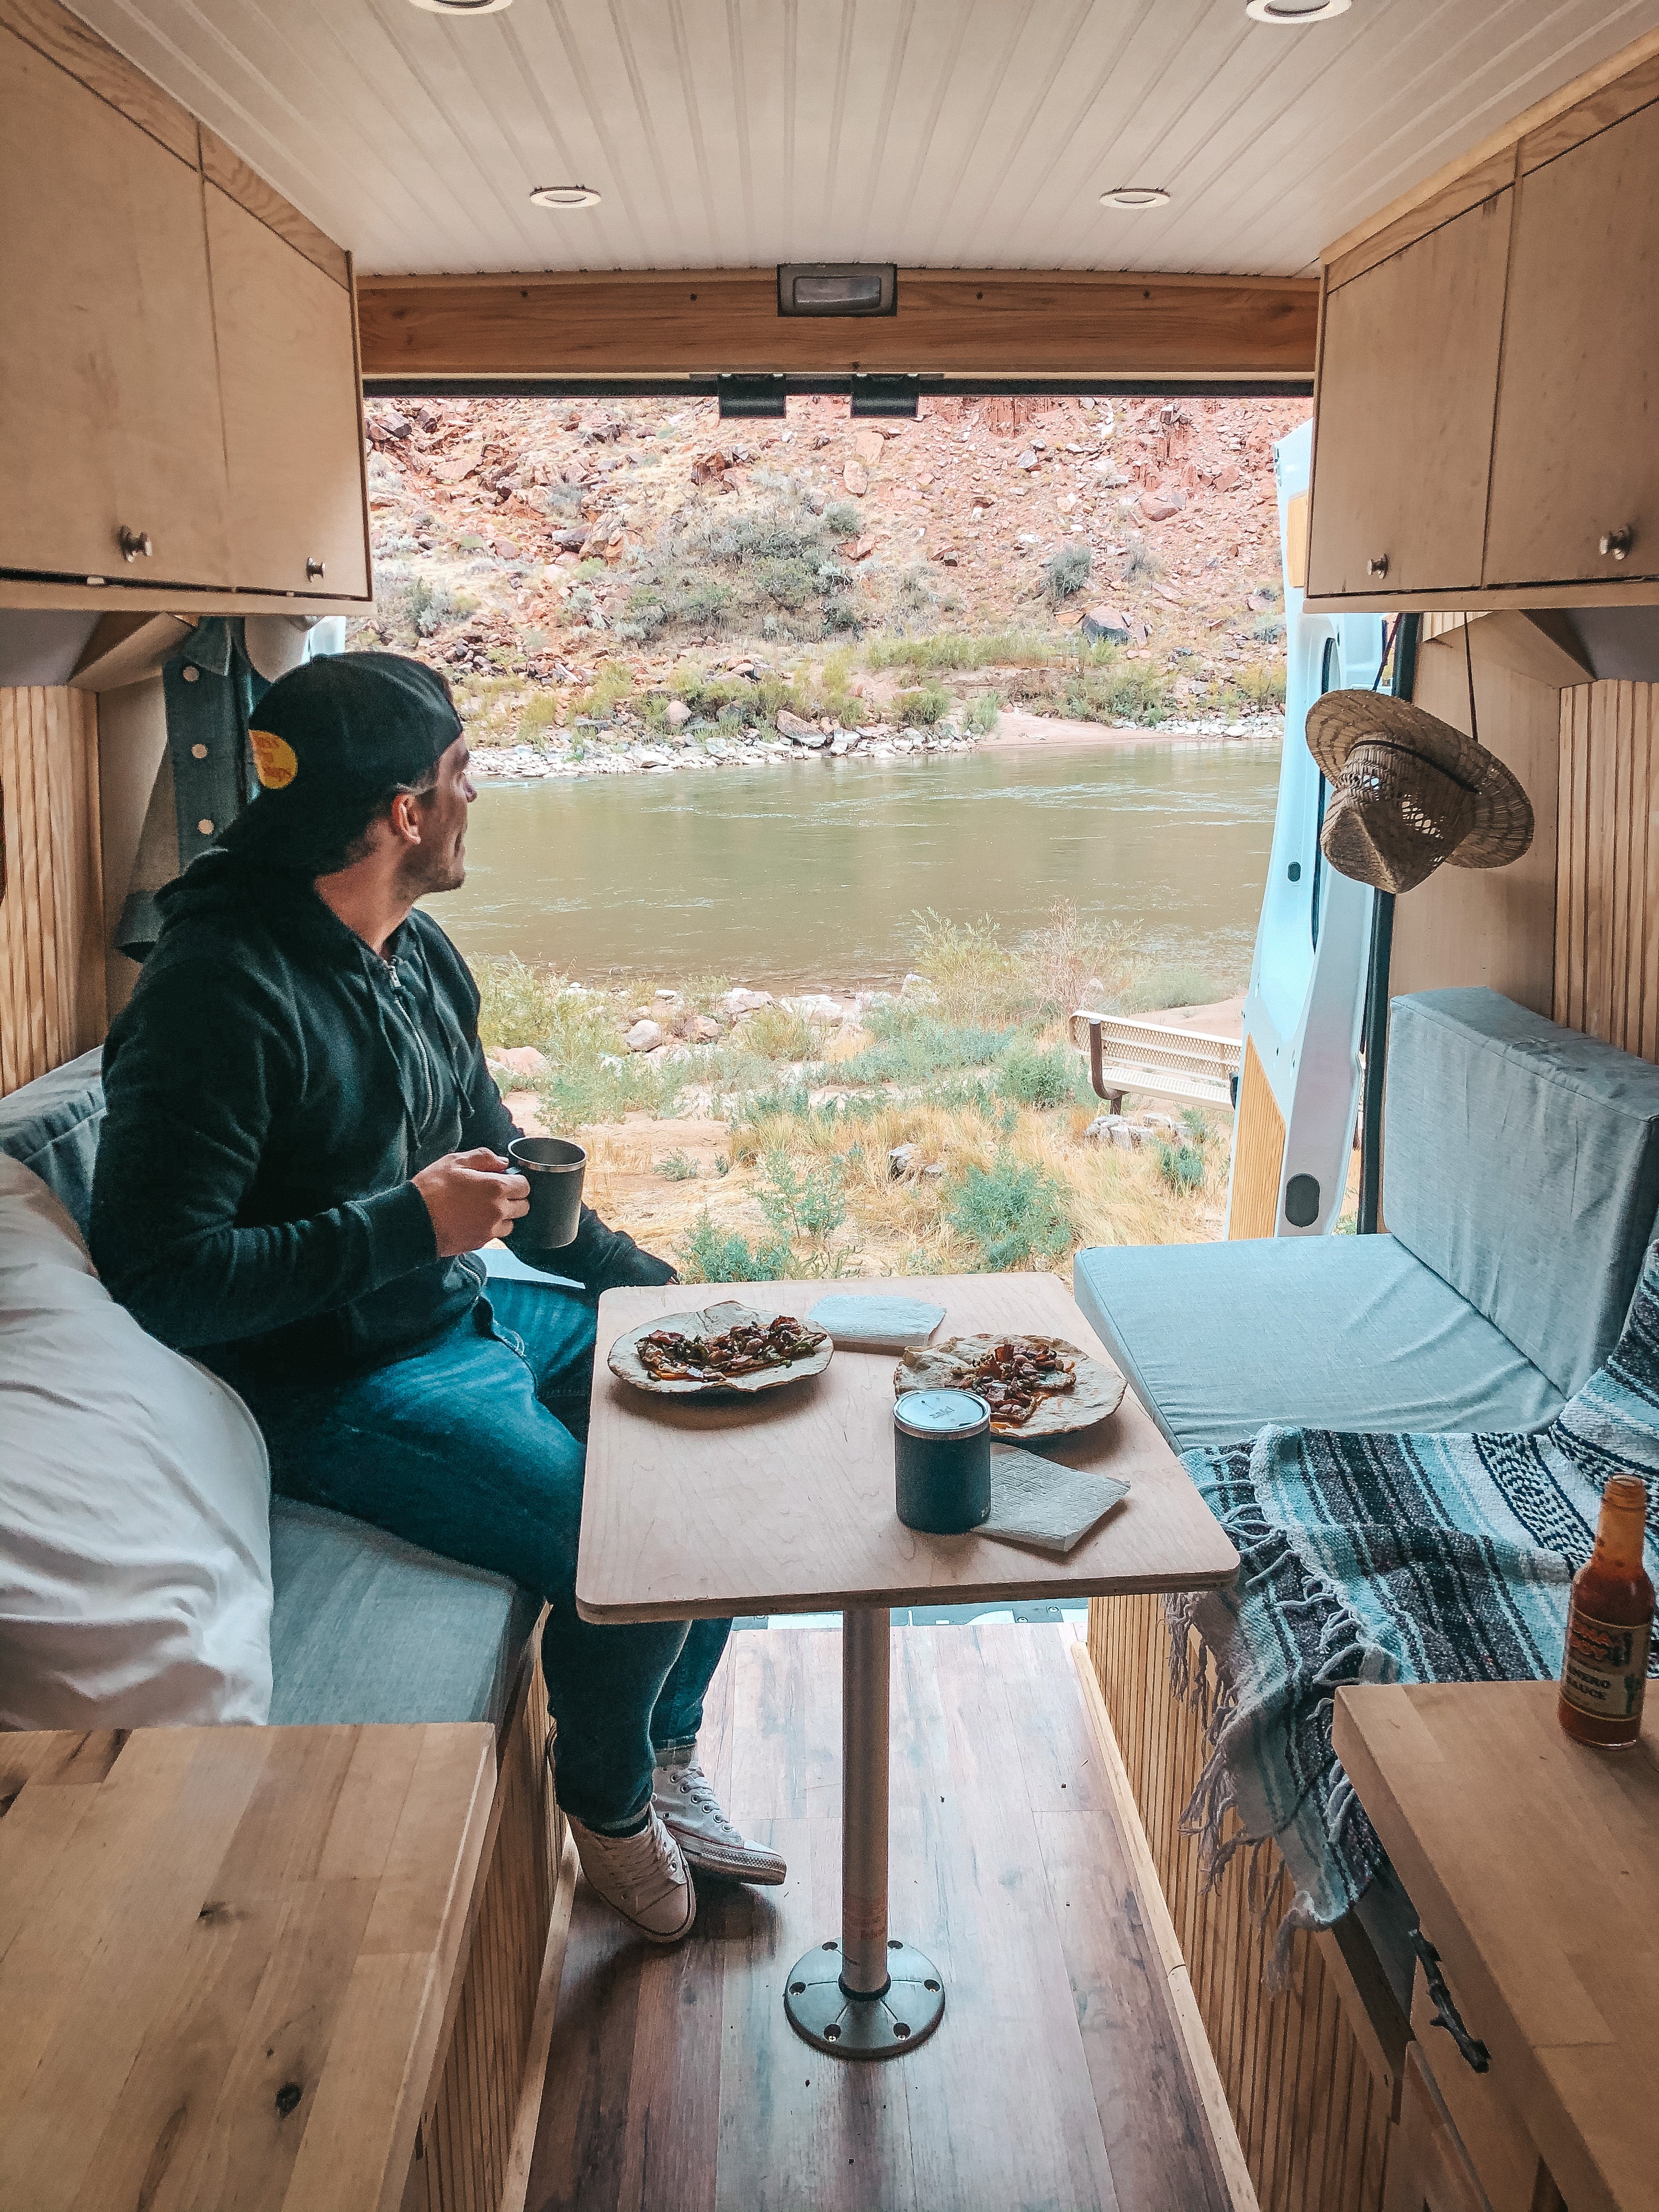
(472, 1197)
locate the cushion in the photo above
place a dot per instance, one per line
(1315, 1331)
(1520, 1162)
(135, 1562)
(368, 1628)
(51, 1126)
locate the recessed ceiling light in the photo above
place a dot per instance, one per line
(1135, 196)
(1295, 12)
(463, 7)
(565, 196)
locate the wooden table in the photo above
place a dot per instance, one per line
(225, 1958)
(1534, 1862)
(784, 1503)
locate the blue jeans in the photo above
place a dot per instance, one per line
(453, 1449)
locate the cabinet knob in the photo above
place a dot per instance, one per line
(1379, 567)
(313, 570)
(1617, 543)
(132, 543)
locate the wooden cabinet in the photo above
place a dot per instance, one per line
(177, 354)
(1409, 371)
(1576, 456)
(292, 439)
(112, 416)
(1487, 408)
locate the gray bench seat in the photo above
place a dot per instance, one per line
(364, 1627)
(1521, 1182)
(1319, 1332)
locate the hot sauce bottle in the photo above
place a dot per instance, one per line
(1604, 1668)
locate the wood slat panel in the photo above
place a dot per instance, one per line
(1258, 1152)
(1607, 887)
(986, 322)
(1313, 2118)
(52, 935)
(468, 2157)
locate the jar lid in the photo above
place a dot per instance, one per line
(941, 1413)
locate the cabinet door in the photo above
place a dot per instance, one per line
(1408, 367)
(1577, 455)
(293, 421)
(111, 417)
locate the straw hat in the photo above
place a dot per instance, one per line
(1408, 791)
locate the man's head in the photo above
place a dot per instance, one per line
(362, 764)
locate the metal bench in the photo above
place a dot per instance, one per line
(1192, 1066)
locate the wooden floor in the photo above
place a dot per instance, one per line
(1057, 2082)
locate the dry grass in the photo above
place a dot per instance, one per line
(793, 1154)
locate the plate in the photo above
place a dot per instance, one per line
(1096, 1396)
(624, 1361)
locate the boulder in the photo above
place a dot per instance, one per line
(645, 1036)
(1158, 507)
(744, 1001)
(1109, 622)
(816, 500)
(677, 714)
(855, 479)
(569, 541)
(705, 1030)
(867, 446)
(800, 732)
(901, 1160)
(523, 1060)
(816, 1006)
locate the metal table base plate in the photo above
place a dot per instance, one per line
(905, 2013)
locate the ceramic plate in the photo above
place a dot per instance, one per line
(625, 1362)
(1097, 1393)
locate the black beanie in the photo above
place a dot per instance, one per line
(332, 740)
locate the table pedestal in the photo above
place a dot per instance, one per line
(868, 1996)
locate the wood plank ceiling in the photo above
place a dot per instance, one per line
(937, 133)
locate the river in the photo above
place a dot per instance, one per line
(810, 875)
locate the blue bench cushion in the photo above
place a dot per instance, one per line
(1520, 1162)
(364, 1627)
(51, 1126)
(1316, 1332)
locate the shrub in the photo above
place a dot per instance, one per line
(913, 1044)
(777, 1033)
(1260, 688)
(924, 707)
(1268, 631)
(709, 1254)
(957, 649)
(976, 977)
(1039, 1076)
(843, 519)
(1192, 1121)
(1067, 571)
(1013, 1212)
(1170, 985)
(984, 715)
(1181, 1167)
(676, 1167)
(803, 1202)
(514, 1007)
(1131, 693)
(1142, 563)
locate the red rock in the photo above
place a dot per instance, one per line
(1157, 509)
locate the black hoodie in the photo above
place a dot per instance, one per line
(272, 1088)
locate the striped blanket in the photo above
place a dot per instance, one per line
(1383, 1558)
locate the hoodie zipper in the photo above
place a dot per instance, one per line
(419, 1034)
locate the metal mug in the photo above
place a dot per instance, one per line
(942, 1461)
(553, 1168)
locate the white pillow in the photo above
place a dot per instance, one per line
(135, 1503)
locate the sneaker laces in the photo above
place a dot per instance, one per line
(691, 1782)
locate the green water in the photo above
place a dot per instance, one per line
(810, 875)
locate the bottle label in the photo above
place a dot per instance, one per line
(1604, 1668)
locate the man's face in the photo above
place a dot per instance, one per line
(437, 863)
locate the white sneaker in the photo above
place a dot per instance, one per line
(684, 1798)
(642, 1876)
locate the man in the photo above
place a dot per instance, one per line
(302, 1146)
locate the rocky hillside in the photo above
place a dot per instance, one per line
(639, 563)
